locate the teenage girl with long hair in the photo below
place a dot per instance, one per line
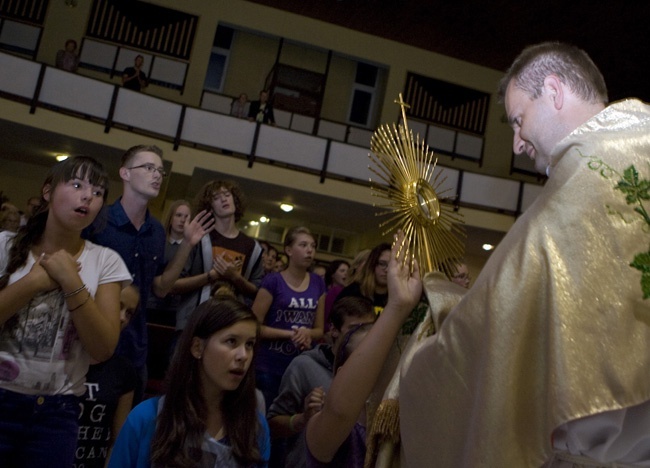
(371, 279)
(163, 310)
(290, 306)
(209, 415)
(59, 307)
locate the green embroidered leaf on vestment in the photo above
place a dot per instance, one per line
(635, 191)
(642, 262)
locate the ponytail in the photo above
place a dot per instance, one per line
(28, 235)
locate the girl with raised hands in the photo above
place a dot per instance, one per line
(59, 307)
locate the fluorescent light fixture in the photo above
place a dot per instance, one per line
(264, 219)
(62, 157)
(488, 246)
(286, 207)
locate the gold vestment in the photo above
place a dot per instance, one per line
(555, 327)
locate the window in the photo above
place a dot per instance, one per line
(363, 95)
(219, 59)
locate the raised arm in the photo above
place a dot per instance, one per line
(354, 381)
(202, 224)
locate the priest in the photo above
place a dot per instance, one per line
(546, 360)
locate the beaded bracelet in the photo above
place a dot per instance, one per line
(74, 293)
(293, 429)
(81, 305)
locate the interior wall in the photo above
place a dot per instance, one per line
(301, 56)
(251, 58)
(20, 181)
(338, 89)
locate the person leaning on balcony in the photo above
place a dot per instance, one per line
(133, 77)
(239, 106)
(67, 59)
(261, 110)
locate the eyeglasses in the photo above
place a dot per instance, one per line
(150, 168)
(382, 264)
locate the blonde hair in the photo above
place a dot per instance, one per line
(169, 216)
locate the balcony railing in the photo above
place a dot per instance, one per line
(336, 151)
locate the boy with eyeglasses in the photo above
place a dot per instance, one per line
(127, 227)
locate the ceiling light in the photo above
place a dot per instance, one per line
(254, 223)
(62, 157)
(264, 219)
(286, 207)
(488, 246)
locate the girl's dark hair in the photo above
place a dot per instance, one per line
(204, 198)
(80, 167)
(350, 306)
(366, 276)
(331, 269)
(181, 423)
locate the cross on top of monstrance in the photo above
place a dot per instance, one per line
(404, 165)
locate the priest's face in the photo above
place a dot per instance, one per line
(536, 124)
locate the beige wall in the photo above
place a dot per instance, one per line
(20, 181)
(308, 58)
(251, 58)
(338, 89)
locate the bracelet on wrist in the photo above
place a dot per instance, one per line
(291, 426)
(75, 292)
(80, 305)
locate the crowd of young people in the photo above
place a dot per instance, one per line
(81, 280)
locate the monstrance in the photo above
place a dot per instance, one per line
(404, 166)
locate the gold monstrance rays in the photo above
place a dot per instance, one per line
(404, 167)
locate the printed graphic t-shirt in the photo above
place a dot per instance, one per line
(288, 309)
(40, 350)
